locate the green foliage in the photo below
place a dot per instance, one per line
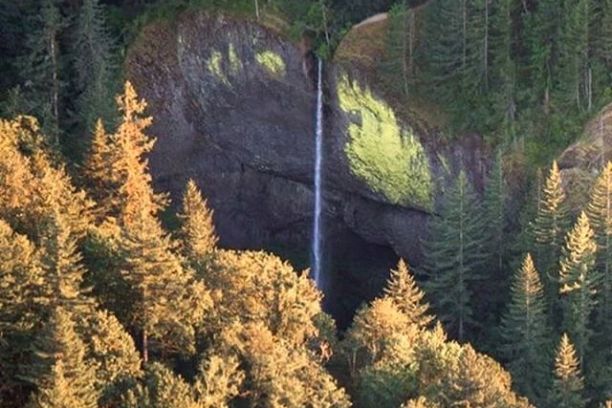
(568, 382)
(271, 62)
(215, 67)
(550, 225)
(93, 61)
(389, 159)
(59, 368)
(526, 333)
(453, 254)
(579, 282)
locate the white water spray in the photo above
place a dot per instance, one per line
(316, 233)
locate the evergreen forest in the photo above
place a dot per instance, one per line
(116, 293)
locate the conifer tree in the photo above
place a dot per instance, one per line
(407, 297)
(550, 226)
(575, 59)
(160, 388)
(579, 282)
(197, 231)
(599, 212)
(62, 267)
(97, 170)
(503, 64)
(525, 332)
(568, 383)
(453, 254)
(218, 382)
(59, 368)
(170, 301)
(42, 67)
(399, 62)
(92, 50)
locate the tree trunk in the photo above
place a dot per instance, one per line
(145, 347)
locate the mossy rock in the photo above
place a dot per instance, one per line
(387, 157)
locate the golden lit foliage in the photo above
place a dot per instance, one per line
(60, 368)
(218, 382)
(279, 374)
(406, 295)
(197, 230)
(579, 282)
(259, 287)
(568, 383)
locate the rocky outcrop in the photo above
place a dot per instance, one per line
(581, 162)
(233, 107)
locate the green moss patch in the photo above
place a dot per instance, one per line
(391, 160)
(215, 66)
(272, 62)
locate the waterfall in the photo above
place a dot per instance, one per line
(316, 233)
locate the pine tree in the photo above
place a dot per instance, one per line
(525, 332)
(568, 383)
(62, 267)
(218, 382)
(575, 59)
(41, 67)
(453, 254)
(160, 388)
(494, 205)
(92, 57)
(60, 369)
(170, 301)
(599, 212)
(503, 64)
(407, 297)
(197, 231)
(543, 34)
(579, 282)
(399, 62)
(98, 163)
(550, 225)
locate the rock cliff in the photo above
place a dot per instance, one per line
(233, 106)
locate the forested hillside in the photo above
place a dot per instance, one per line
(115, 294)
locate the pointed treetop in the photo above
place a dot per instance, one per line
(198, 230)
(404, 292)
(579, 254)
(566, 362)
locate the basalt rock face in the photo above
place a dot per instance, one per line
(233, 105)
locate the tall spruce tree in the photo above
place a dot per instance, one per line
(98, 173)
(579, 282)
(550, 226)
(599, 211)
(526, 333)
(59, 368)
(92, 56)
(575, 55)
(568, 383)
(170, 301)
(407, 297)
(398, 64)
(42, 67)
(197, 230)
(453, 254)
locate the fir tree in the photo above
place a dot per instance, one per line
(218, 382)
(599, 212)
(197, 230)
(525, 332)
(575, 59)
(170, 301)
(453, 254)
(42, 67)
(550, 225)
(92, 50)
(579, 282)
(568, 383)
(407, 297)
(399, 62)
(59, 368)
(62, 267)
(98, 163)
